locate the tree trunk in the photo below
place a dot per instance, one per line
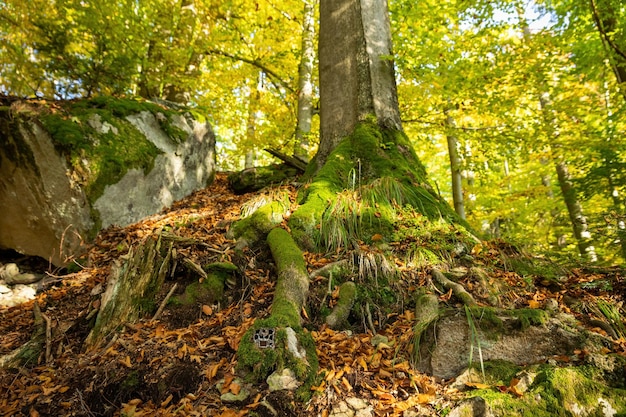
(604, 16)
(574, 209)
(305, 87)
(366, 171)
(455, 166)
(356, 71)
(570, 197)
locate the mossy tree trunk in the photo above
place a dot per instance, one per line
(363, 156)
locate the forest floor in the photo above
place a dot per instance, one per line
(171, 366)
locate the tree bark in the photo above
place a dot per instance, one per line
(604, 17)
(305, 84)
(455, 167)
(356, 70)
(131, 288)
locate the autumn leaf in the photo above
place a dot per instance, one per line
(477, 385)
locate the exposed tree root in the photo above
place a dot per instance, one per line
(457, 289)
(29, 352)
(347, 297)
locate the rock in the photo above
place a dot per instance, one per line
(377, 339)
(525, 380)
(470, 375)
(8, 271)
(472, 407)
(59, 184)
(445, 346)
(26, 278)
(283, 380)
(352, 407)
(293, 345)
(231, 397)
(19, 294)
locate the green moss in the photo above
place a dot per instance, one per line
(209, 291)
(554, 392)
(110, 155)
(256, 226)
(529, 316)
(361, 188)
(260, 363)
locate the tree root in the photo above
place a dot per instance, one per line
(457, 289)
(29, 352)
(347, 297)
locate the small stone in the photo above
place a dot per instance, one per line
(230, 397)
(26, 278)
(472, 407)
(360, 406)
(284, 380)
(341, 410)
(378, 339)
(551, 306)
(8, 271)
(470, 375)
(526, 379)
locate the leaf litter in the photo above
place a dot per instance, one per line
(172, 366)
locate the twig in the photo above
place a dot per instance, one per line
(48, 338)
(194, 266)
(83, 404)
(164, 302)
(368, 315)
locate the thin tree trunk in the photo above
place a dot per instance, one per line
(570, 196)
(604, 16)
(455, 166)
(305, 87)
(253, 104)
(574, 209)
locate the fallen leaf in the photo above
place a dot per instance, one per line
(477, 385)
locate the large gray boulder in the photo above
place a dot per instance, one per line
(447, 346)
(65, 174)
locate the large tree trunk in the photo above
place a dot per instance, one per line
(356, 71)
(366, 176)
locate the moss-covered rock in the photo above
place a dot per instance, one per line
(554, 391)
(68, 169)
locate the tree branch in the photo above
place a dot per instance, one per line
(255, 63)
(602, 30)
